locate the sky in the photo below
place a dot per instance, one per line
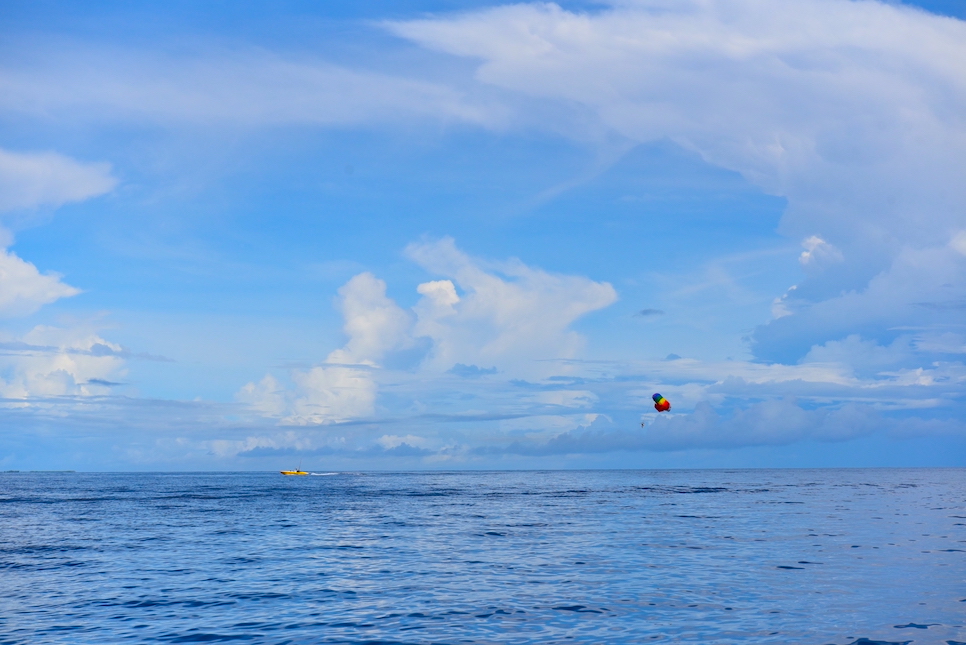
(445, 234)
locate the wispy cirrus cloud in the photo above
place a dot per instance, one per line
(32, 179)
(78, 82)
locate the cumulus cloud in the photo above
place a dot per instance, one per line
(509, 315)
(921, 288)
(51, 361)
(343, 387)
(850, 110)
(23, 289)
(28, 180)
(374, 323)
(513, 317)
(322, 395)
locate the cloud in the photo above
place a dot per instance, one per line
(52, 362)
(393, 441)
(817, 78)
(24, 290)
(818, 252)
(922, 288)
(509, 315)
(329, 394)
(958, 242)
(250, 87)
(840, 390)
(844, 391)
(374, 323)
(540, 398)
(849, 110)
(942, 343)
(772, 422)
(471, 371)
(28, 180)
(343, 387)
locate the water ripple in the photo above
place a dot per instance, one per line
(823, 557)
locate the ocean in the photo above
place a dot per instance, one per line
(688, 556)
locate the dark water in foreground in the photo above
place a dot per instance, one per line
(752, 556)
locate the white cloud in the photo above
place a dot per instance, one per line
(567, 398)
(518, 318)
(510, 315)
(816, 257)
(537, 428)
(238, 88)
(23, 289)
(28, 180)
(958, 243)
(374, 323)
(267, 397)
(789, 94)
(818, 252)
(51, 361)
(850, 110)
(321, 395)
(329, 394)
(862, 355)
(275, 441)
(943, 343)
(779, 306)
(390, 441)
(343, 388)
(921, 287)
(775, 422)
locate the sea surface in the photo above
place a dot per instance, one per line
(704, 556)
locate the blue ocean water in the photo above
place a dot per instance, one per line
(739, 556)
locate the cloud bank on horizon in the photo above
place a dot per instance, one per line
(849, 111)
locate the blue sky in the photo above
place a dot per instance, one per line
(472, 235)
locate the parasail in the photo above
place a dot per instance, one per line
(660, 403)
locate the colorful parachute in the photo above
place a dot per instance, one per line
(660, 403)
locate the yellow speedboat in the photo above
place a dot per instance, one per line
(297, 471)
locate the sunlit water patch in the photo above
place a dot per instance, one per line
(755, 556)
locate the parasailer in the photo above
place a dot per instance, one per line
(660, 403)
